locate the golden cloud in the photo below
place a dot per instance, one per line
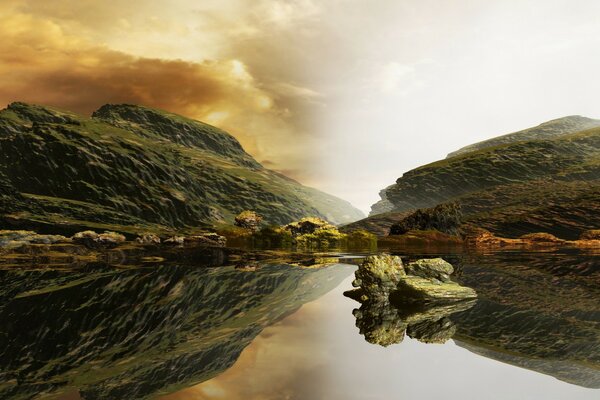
(43, 62)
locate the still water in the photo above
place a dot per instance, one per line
(279, 331)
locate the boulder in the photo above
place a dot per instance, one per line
(415, 289)
(434, 268)
(378, 276)
(92, 239)
(248, 220)
(175, 240)
(14, 239)
(206, 239)
(383, 277)
(148, 239)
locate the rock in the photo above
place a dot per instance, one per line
(414, 289)
(379, 323)
(439, 331)
(378, 276)
(148, 239)
(435, 268)
(207, 239)
(175, 240)
(13, 239)
(541, 237)
(385, 324)
(92, 239)
(248, 220)
(86, 238)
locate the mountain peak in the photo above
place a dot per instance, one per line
(545, 130)
(40, 114)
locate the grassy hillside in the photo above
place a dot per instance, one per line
(546, 130)
(133, 168)
(548, 184)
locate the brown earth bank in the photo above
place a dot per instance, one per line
(481, 238)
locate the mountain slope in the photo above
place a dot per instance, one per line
(134, 168)
(546, 130)
(548, 184)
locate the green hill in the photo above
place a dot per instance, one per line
(549, 183)
(546, 130)
(132, 168)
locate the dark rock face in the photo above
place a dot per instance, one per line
(540, 182)
(133, 166)
(138, 333)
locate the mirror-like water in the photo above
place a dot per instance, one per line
(281, 331)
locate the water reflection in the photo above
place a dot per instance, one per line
(194, 332)
(134, 333)
(539, 311)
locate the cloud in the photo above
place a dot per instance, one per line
(391, 75)
(42, 61)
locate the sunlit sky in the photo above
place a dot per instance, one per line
(343, 95)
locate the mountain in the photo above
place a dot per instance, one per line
(133, 168)
(542, 179)
(546, 130)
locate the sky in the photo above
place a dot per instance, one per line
(342, 95)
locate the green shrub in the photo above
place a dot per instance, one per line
(446, 218)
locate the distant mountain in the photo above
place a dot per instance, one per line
(133, 168)
(542, 179)
(547, 130)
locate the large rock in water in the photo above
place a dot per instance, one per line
(378, 276)
(415, 289)
(435, 268)
(383, 277)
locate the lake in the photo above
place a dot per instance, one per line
(271, 330)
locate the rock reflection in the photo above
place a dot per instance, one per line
(385, 324)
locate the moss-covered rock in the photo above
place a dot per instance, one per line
(148, 239)
(206, 239)
(92, 239)
(433, 268)
(248, 220)
(17, 238)
(378, 276)
(414, 289)
(383, 277)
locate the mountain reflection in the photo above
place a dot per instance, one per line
(536, 311)
(129, 333)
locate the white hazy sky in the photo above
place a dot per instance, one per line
(418, 79)
(344, 95)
